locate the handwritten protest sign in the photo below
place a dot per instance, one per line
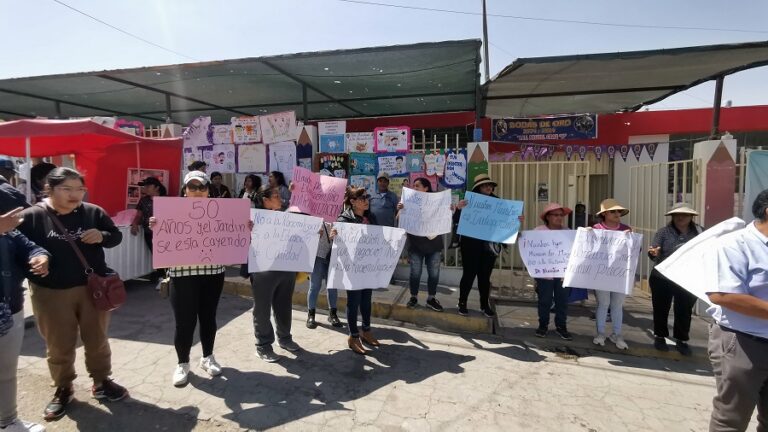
(545, 253)
(317, 195)
(283, 241)
(491, 219)
(426, 214)
(201, 231)
(603, 260)
(699, 253)
(364, 256)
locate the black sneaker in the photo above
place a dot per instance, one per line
(412, 302)
(109, 390)
(563, 333)
(683, 348)
(463, 311)
(487, 311)
(434, 305)
(57, 407)
(541, 332)
(267, 354)
(592, 316)
(660, 343)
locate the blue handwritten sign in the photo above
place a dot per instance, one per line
(491, 219)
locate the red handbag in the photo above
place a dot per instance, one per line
(107, 292)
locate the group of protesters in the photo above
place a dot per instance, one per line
(37, 244)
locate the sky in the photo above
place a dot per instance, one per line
(44, 37)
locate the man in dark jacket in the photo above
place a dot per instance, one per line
(10, 197)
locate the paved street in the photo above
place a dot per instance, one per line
(417, 381)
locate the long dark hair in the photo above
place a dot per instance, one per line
(424, 182)
(279, 178)
(61, 174)
(255, 182)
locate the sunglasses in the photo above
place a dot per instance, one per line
(197, 188)
(363, 197)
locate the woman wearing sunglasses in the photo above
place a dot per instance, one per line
(610, 215)
(356, 204)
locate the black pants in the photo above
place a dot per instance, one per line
(663, 291)
(359, 300)
(272, 292)
(195, 298)
(547, 291)
(476, 264)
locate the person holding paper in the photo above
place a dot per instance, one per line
(477, 256)
(356, 203)
(194, 295)
(610, 215)
(548, 288)
(320, 272)
(424, 250)
(667, 240)
(273, 292)
(738, 339)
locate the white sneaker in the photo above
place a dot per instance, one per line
(180, 374)
(599, 340)
(210, 365)
(22, 426)
(619, 341)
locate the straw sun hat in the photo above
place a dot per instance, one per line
(482, 179)
(552, 207)
(681, 208)
(612, 204)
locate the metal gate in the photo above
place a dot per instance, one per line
(654, 188)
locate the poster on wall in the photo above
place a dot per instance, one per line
(332, 136)
(434, 163)
(363, 164)
(135, 175)
(415, 162)
(282, 157)
(394, 165)
(245, 129)
(455, 169)
(477, 163)
(579, 126)
(221, 134)
(196, 134)
(206, 154)
(396, 184)
(278, 127)
(223, 159)
(251, 158)
(367, 182)
(392, 139)
(359, 142)
(332, 164)
(190, 155)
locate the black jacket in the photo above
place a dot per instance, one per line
(66, 271)
(348, 216)
(18, 250)
(10, 197)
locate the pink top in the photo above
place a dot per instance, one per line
(621, 227)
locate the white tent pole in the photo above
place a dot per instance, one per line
(28, 169)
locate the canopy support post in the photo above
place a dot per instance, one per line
(717, 106)
(304, 103)
(28, 169)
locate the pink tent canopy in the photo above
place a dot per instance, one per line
(102, 154)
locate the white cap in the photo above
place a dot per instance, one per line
(197, 175)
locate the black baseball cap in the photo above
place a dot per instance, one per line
(150, 181)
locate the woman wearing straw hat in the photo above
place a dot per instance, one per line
(548, 288)
(610, 215)
(477, 256)
(666, 241)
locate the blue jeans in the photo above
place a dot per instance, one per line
(320, 272)
(433, 271)
(614, 300)
(547, 289)
(359, 300)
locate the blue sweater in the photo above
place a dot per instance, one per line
(18, 250)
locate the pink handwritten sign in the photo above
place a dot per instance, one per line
(317, 195)
(200, 231)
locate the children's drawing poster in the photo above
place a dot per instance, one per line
(206, 154)
(359, 142)
(332, 164)
(364, 181)
(251, 158)
(190, 155)
(396, 184)
(455, 169)
(332, 144)
(363, 164)
(434, 163)
(245, 129)
(196, 134)
(282, 157)
(223, 159)
(392, 139)
(220, 134)
(393, 164)
(278, 127)
(415, 162)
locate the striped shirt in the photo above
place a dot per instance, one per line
(203, 270)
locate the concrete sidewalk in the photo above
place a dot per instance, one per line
(416, 381)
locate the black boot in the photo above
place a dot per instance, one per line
(333, 318)
(311, 323)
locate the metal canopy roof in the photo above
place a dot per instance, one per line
(369, 82)
(602, 83)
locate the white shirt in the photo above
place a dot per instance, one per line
(742, 268)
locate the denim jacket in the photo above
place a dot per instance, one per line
(18, 250)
